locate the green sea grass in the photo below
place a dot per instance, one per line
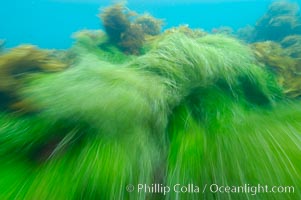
(196, 111)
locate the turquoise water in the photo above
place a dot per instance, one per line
(50, 23)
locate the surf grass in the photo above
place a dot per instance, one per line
(119, 114)
(240, 148)
(195, 111)
(188, 63)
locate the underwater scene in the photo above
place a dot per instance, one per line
(150, 100)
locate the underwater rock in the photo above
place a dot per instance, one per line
(281, 19)
(16, 63)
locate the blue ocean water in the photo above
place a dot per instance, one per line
(50, 23)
